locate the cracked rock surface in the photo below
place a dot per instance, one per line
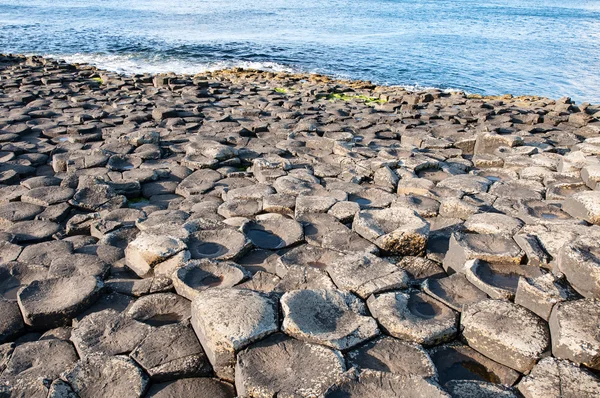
(258, 234)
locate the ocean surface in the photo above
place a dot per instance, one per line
(548, 48)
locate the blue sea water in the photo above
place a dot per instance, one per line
(539, 47)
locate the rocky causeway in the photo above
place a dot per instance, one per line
(242, 233)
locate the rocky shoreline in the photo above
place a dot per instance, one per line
(252, 234)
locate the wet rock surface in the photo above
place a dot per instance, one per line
(179, 235)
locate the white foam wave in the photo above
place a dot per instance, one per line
(129, 64)
(132, 64)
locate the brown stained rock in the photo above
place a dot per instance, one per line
(329, 317)
(171, 352)
(555, 378)
(460, 362)
(380, 384)
(365, 274)
(99, 375)
(200, 387)
(279, 203)
(263, 369)
(506, 333)
(574, 329)
(387, 354)
(492, 248)
(395, 230)
(227, 320)
(198, 275)
(45, 359)
(53, 302)
(414, 316)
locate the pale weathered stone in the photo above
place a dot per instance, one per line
(147, 252)
(455, 361)
(478, 389)
(584, 205)
(540, 294)
(380, 384)
(396, 230)
(555, 378)
(170, 352)
(198, 275)
(45, 359)
(365, 274)
(263, 369)
(98, 375)
(326, 231)
(506, 333)
(199, 387)
(108, 332)
(53, 302)
(387, 354)
(227, 320)
(574, 329)
(455, 291)
(580, 262)
(492, 248)
(273, 233)
(329, 317)
(414, 316)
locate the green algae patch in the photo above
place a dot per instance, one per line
(98, 80)
(349, 97)
(138, 200)
(281, 90)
